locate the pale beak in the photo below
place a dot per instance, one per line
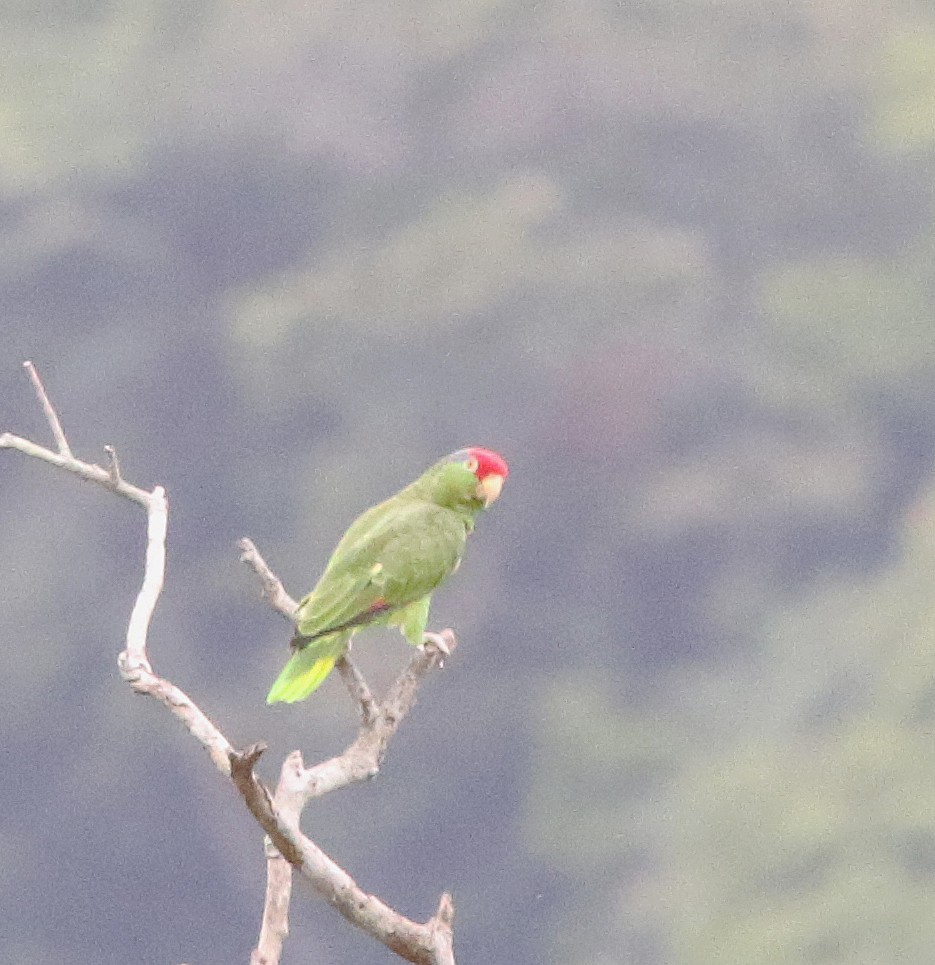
(488, 489)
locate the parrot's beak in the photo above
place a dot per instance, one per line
(489, 488)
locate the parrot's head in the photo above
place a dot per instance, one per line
(472, 478)
(489, 469)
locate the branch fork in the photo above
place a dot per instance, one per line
(279, 813)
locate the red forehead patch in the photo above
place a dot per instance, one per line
(489, 463)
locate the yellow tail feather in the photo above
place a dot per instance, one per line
(301, 676)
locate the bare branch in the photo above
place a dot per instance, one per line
(157, 514)
(358, 689)
(402, 695)
(134, 662)
(441, 925)
(425, 944)
(379, 721)
(144, 681)
(51, 415)
(275, 594)
(86, 470)
(363, 758)
(260, 802)
(359, 762)
(275, 925)
(113, 465)
(273, 591)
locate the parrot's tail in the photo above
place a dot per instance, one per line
(306, 670)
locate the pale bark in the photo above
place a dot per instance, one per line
(428, 943)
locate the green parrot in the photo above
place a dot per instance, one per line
(386, 566)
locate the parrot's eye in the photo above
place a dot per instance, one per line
(471, 464)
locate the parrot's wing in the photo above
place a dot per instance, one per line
(341, 600)
(406, 552)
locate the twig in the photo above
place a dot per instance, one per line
(275, 594)
(358, 689)
(273, 591)
(113, 465)
(86, 470)
(51, 415)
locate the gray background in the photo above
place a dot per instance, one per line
(674, 259)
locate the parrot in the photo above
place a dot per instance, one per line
(387, 565)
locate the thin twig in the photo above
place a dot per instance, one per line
(358, 689)
(273, 591)
(58, 434)
(86, 470)
(113, 465)
(275, 594)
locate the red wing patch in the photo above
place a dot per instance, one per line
(375, 608)
(378, 607)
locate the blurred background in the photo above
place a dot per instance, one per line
(676, 260)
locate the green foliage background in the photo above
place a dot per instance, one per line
(674, 259)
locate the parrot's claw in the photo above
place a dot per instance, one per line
(438, 641)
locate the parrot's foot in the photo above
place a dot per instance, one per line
(437, 640)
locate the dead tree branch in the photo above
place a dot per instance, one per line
(429, 943)
(273, 590)
(51, 415)
(425, 943)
